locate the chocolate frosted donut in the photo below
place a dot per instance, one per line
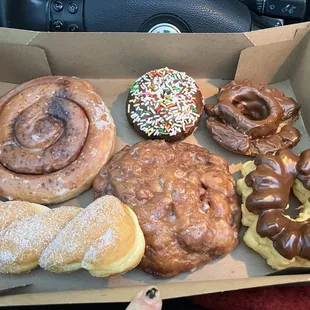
(266, 188)
(164, 104)
(184, 198)
(303, 169)
(56, 133)
(253, 120)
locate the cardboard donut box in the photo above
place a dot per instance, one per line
(112, 62)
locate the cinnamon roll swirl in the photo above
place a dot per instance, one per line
(56, 134)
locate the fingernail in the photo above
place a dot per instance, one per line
(151, 295)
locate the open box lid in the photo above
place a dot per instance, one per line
(265, 56)
(129, 55)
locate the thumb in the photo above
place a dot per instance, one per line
(149, 299)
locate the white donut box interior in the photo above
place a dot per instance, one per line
(112, 61)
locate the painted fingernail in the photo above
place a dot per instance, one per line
(151, 293)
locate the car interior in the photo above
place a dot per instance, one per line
(151, 16)
(154, 16)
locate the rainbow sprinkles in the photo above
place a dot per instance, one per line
(163, 103)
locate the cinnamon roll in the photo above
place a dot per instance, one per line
(56, 134)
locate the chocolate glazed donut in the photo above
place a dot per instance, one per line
(253, 120)
(55, 136)
(271, 183)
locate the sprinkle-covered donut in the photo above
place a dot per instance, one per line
(283, 241)
(253, 120)
(164, 104)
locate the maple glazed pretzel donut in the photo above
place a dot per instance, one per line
(266, 186)
(185, 200)
(55, 135)
(253, 120)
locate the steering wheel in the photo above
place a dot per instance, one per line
(155, 16)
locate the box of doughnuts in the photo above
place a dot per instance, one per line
(128, 160)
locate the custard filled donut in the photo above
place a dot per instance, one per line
(184, 198)
(253, 120)
(55, 135)
(164, 104)
(265, 189)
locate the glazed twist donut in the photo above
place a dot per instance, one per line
(55, 135)
(253, 120)
(104, 238)
(265, 189)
